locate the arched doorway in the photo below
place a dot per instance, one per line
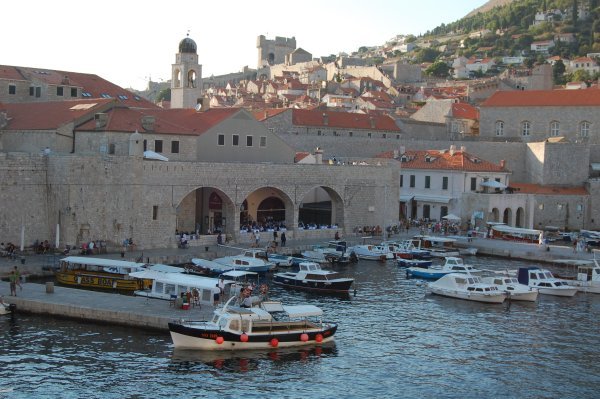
(266, 208)
(520, 221)
(507, 216)
(271, 210)
(495, 215)
(320, 206)
(205, 210)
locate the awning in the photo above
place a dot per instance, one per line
(155, 156)
(493, 184)
(595, 166)
(406, 198)
(432, 198)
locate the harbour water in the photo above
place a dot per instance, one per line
(393, 340)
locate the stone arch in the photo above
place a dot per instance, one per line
(176, 77)
(495, 215)
(321, 205)
(271, 59)
(507, 217)
(251, 213)
(520, 219)
(205, 210)
(191, 78)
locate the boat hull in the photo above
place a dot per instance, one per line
(206, 339)
(470, 296)
(428, 274)
(101, 280)
(529, 296)
(339, 286)
(567, 292)
(402, 262)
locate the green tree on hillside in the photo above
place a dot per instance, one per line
(438, 69)
(426, 55)
(558, 72)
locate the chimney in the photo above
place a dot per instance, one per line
(101, 120)
(325, 119)
(202, 104)
(148, 122)
(318, 156)
(402, 150)
(463, 148)
(396, 154)
(452, 150)
(502, 163)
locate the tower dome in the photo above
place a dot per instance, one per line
(187, 45)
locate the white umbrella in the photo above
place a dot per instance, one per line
(451, 216)
(493, 184)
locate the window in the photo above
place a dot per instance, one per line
(412, 180)
(174, 147)
(369, 134)
(145, 145)
(384, 135)
(73, 91)
(401, 180)
(12, 89)
(525, 128)
(499, 129)
(60, 91)
(31, 91)
(248, 141)
(397, 137)
(426, 211)
(335, 132)
(584, 129)
(111, 148)
(427, 181)
(158, 146)
(473, 184)
(221, 139)
(263, 141)
(38, 92)
(350, 134)
(318, 132)
(445, 183)
(155, 212)
(554, 129)
(235, 140)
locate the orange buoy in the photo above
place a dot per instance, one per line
(319, 338)
(274, 342)
(244, 337)
(220, 340)
(304, 337)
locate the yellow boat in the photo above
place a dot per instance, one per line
(101, 273)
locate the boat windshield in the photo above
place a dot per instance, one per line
(548, 274)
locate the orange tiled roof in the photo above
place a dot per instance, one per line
(464, 111)
(302, 117)
(528, 188)
(53, 114)
(263, 114)
(438, 160)
(300, 156)
(541, 98)
(167, 121)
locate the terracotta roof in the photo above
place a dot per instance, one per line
(300, 156)
(528, 188)
(438, 160)
(541, 98)
(167, 121)
(263, 114)
(94, 85)
(302, 117)
(51, 115)
(464, 111)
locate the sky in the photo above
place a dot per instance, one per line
(129, 42)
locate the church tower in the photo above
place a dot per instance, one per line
(186, 80)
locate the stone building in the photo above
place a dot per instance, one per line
(186, 79)
(273, 52)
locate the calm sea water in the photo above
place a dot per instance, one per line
(393, 341)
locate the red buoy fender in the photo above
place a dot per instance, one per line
(274, 342)
(319, 338)
(304, 337)
(244, 337)
(219, 340)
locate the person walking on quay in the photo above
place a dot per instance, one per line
(12, 278)
(275, 237)
(283, 239)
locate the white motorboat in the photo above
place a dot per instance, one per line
(588, 275)
(515, 290)
(250, 260)
(545, 282)
(311, 277)
(333, 252)
(6, 308)
(371, 252)
(464, 286)
(451, 265)
(268, 325)
(468, 251)
(440, 247)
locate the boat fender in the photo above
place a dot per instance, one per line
(319, 338)
(219, 340)
(244, 337)
(114, 284)
(78, 279)
(304, 337)
(274, 342)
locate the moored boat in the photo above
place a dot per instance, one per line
(100, 273)
(310, 277)
(250, 260)
(451, 265)
(468, 287)
(268, 325)
(440, 247)
(371, 252)
(422, 263)
(511, 286)
(587, 278)
(545, 282)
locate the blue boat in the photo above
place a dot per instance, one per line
(452, 265)
(414, 263)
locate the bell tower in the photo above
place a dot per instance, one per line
(186, 79)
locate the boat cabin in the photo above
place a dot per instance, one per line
(80, 263)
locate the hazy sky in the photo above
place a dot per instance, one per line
(128, 41)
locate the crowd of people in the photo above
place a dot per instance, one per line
(9, 250)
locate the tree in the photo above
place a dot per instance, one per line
(529, 62)
(164, 94)
(426, 55)
(558, 72)
(574, 13)
(363, 49)
(439, 69)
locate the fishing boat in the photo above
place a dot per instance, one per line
(511, 286)
(468, 287)
(371, 252)
(250, 260)
(269, 324)
(545, 282)
(334, 251)
(587, 278)
(310, 277)
(170, 284)
(408, 250)
(451, 265)
(440, 247)
(110, 274)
